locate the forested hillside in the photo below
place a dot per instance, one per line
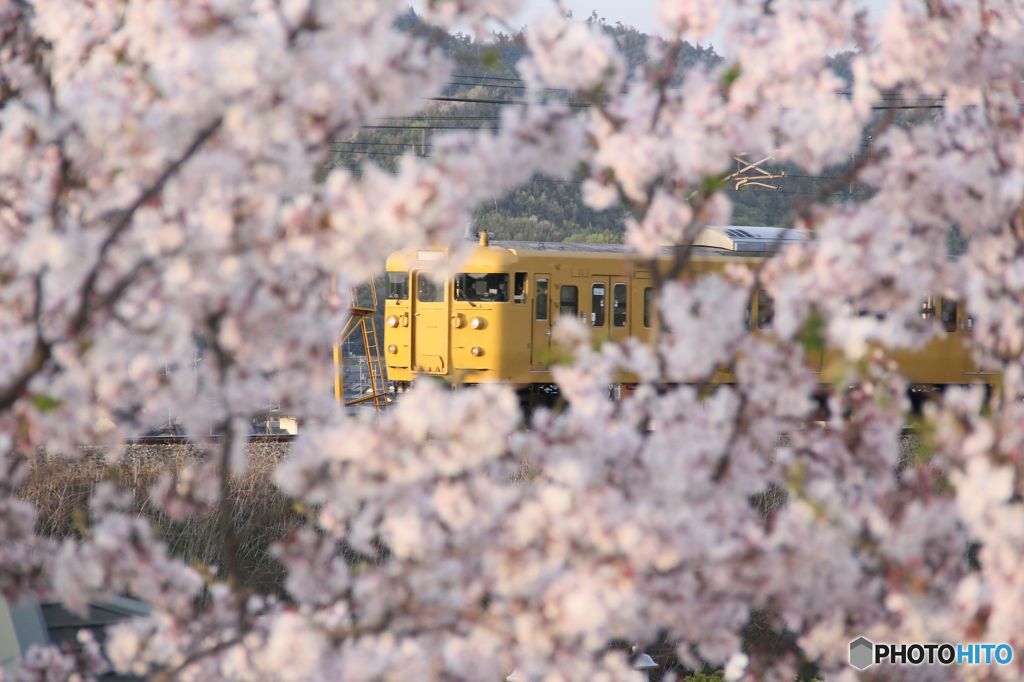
(546, 209)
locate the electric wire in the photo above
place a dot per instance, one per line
(489, 122)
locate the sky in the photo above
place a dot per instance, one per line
(638, 13)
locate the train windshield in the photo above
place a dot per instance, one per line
(485, 288)
(398, 286)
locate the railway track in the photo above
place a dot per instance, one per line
(288, 437)
(180, 440)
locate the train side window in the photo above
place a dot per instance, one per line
(947, 312)
(482, 287)
(427, 290)
(866, 312)
(619, 302)
(928, 309)
(568, 301)
(648, 292)
(519, 292)
(765, 309)
(542, 300)
(398, 286)
(598, 300)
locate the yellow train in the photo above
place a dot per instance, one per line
(492, 321)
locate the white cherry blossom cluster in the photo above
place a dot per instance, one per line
(24, 555)
(171, 247)
(573, 56)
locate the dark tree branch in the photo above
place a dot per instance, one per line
(662, 78)
(125, 217)
(39, 356)
(198, 655)
(226, 509)
(42, 350)
(226, 512)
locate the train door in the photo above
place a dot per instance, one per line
(430, 325)
(761, 318)
(619, 312)
(943, 359)
(540, 343)
(642, 313)
(954, 356)
(600, 291)
(973, 371)
(569, 303)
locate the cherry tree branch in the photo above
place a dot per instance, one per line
(124, 218)
(39, 356)
(42, 350)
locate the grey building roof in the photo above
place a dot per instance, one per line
(42, 623)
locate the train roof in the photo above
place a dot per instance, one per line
(712, 241)
(734, 240)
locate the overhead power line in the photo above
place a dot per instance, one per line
(505, 86)
(430, 127)
(489, 122)
(908, 106)
(507, 79)
(888, 97)
(491, 78)
(480, 100)
(745, 190)
(579, 105)
(445, 118)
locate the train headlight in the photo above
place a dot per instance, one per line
(477, 323)
(457, 320)
(477, 351)
(392, 349)
(392, 321)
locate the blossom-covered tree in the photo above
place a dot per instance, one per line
(158, 185)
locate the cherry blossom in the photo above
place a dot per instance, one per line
(175, 246)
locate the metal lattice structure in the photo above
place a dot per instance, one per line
(749, 174)
(361, 331)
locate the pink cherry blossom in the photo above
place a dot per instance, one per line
(172, 238)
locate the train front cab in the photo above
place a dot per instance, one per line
(463, 328)
(493, 320)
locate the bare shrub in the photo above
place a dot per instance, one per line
(60, 489)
